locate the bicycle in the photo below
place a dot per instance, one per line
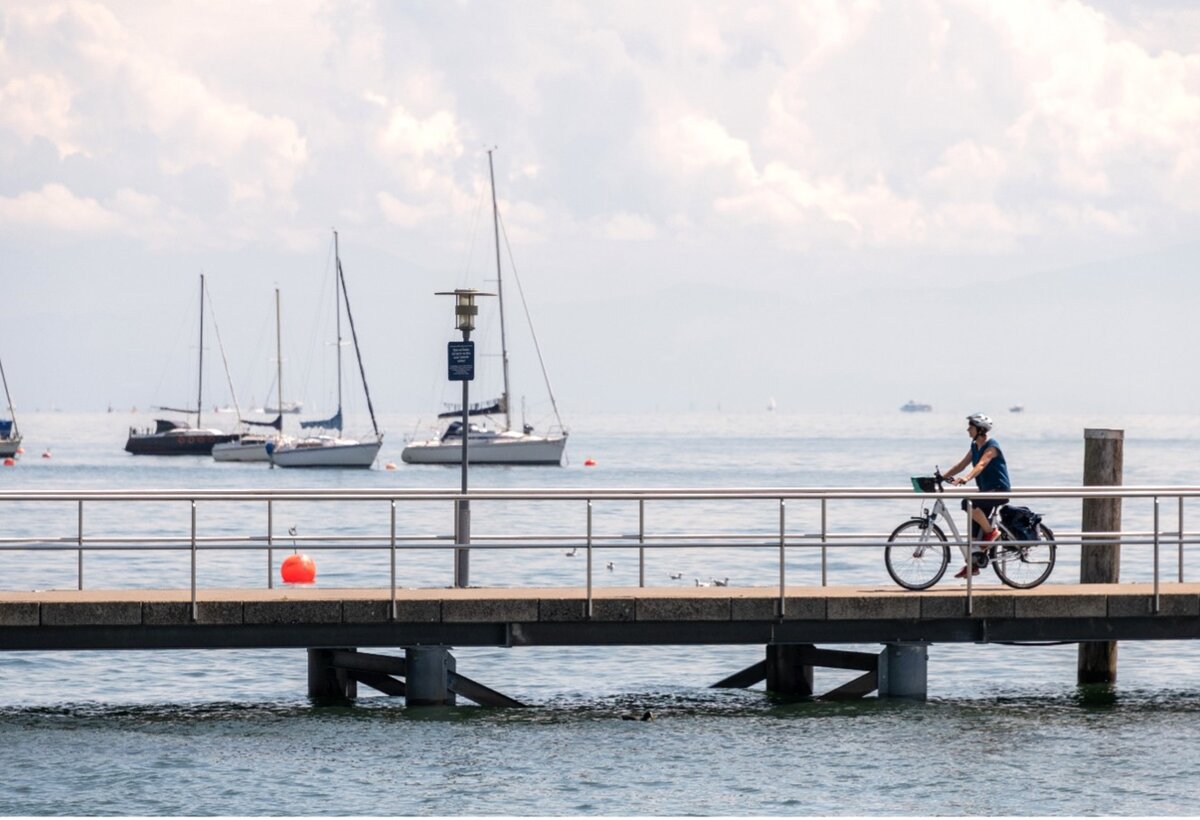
(918, 551)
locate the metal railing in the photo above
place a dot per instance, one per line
(777, 536)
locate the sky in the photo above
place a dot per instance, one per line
(834, 206)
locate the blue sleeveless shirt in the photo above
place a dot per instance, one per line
(994, 477)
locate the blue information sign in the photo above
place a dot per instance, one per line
(461, 361)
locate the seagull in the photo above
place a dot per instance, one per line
(719, 582)
(675, 576)
(571, 551)
(700, 583)
(609, 566)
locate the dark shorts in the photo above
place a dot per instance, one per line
(986, 504)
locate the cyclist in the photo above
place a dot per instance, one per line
(990, 471)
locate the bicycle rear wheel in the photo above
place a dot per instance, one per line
(1027, 565)
(917, 554)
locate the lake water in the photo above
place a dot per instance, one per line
(1005, 731)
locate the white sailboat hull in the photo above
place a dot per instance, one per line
(502, 448)
(331, 453)
(241, 450)
(9, 446)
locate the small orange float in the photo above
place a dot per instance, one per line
(298, 568)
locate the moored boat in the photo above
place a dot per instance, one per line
(174, 438)
(251, 446)
(10, 434)
(495, 444)
(328, 448)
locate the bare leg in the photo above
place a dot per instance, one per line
(982, 520)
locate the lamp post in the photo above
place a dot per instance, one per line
(461, 367)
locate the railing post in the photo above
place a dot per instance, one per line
(824, 544)
(271, 542)
(1181, 539)
(195, 613)
(393, 553)
(641, 543)
(970, 557)
(782, 558)
(80, 542)
(1156, 539)
(589, 558)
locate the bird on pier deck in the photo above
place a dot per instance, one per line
(720, 582)
(700, 583)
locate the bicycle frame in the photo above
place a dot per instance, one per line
(939, 508)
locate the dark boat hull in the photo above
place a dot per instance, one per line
(188, 444)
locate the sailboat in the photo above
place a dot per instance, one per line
(323, 449)
(485, 444)
(253, 446)
(174, 438)
(10, 434)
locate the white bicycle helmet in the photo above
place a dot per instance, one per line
(980, 421)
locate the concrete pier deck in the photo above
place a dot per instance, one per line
(314, 616)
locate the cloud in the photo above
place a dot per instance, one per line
(402, 213)
(85, 81)
(409, 137)
(39, 105)
(863, 124)
(627, 227)
(56, 207)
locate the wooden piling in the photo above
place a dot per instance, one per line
(787, 672)
(1100, 562)
(328, 684)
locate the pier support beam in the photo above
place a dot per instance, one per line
(427, 677)
(1100, 561)
(327, 683)
(789, 672)
(904, 671)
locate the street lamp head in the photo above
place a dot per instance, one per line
(465, 309)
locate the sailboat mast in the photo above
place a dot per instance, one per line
(362, 371)
(500, 293)
(200, 374)
(279, 360)
(12, 413)
(337, 297)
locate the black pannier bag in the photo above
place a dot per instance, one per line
(1021, 522)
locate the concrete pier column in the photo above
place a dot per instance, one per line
(326, 683)
(787, 674)
(904, 671)
(1100, 561)
(425, 676)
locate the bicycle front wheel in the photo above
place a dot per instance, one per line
(917, 554)
(1027, 565)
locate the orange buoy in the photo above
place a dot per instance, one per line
(591, 462)
(20, 451)
(8, 462)
(298, 569)
(391, 465)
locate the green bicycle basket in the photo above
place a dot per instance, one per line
(923, 483)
